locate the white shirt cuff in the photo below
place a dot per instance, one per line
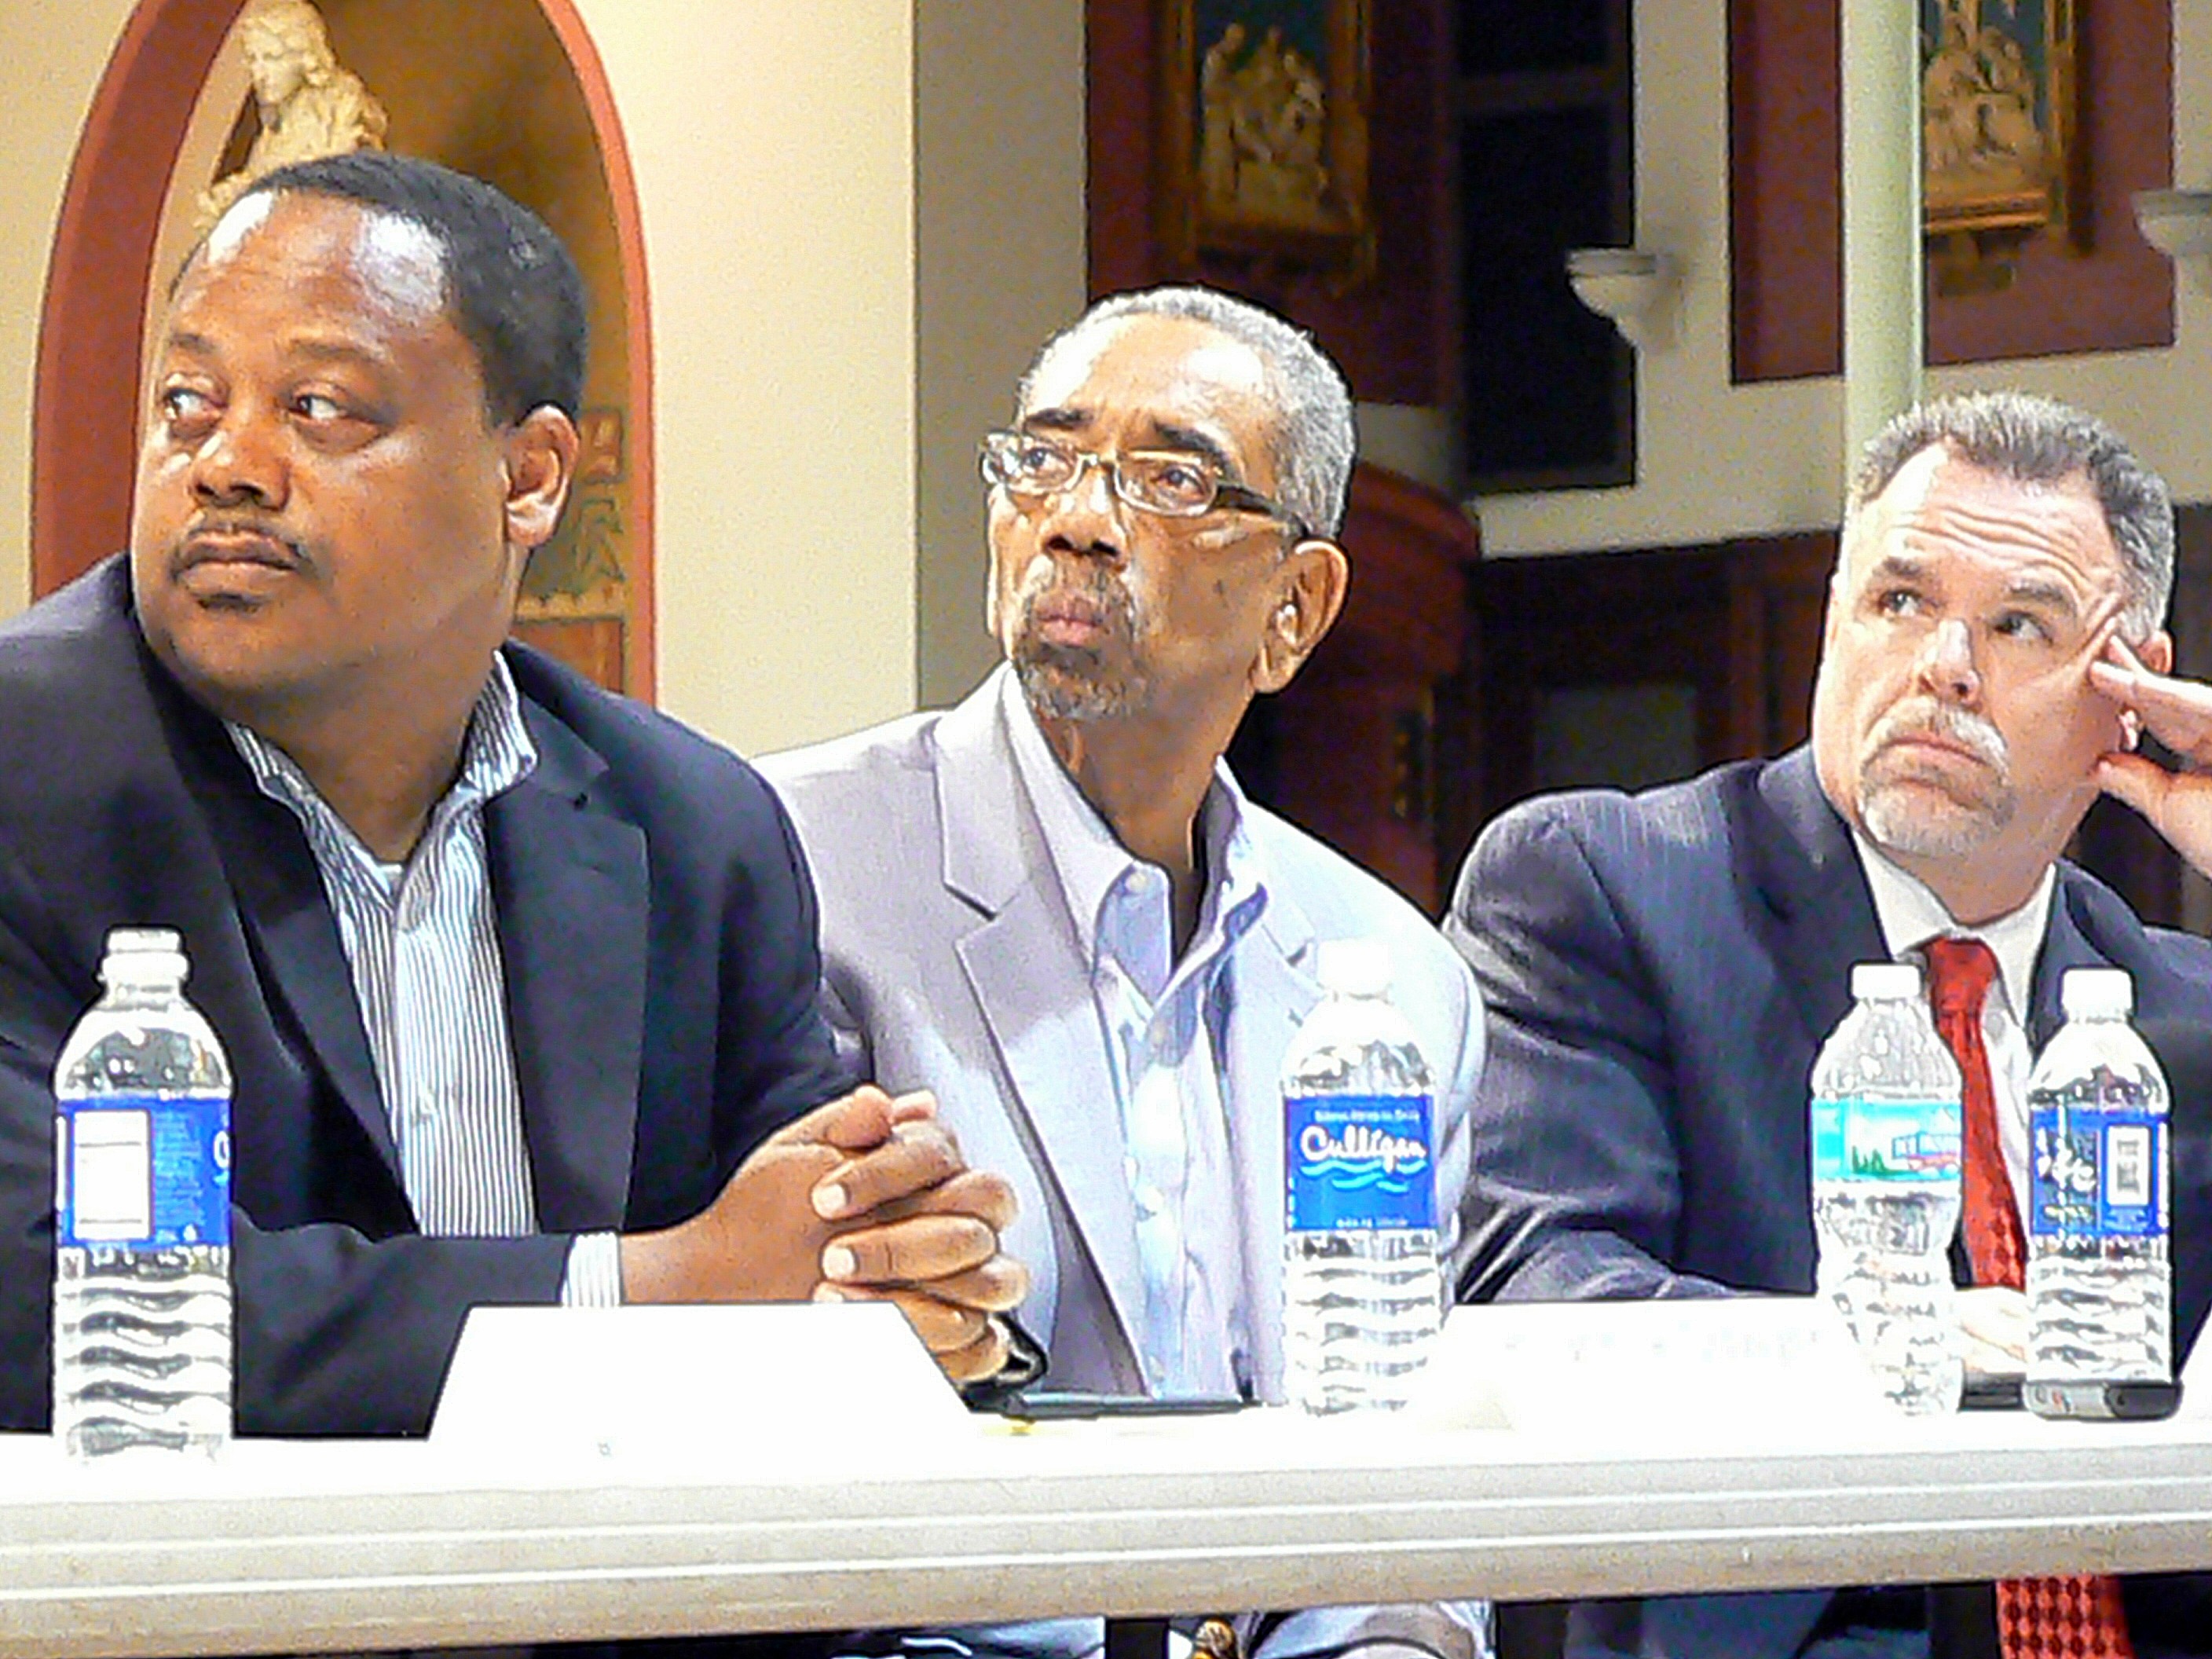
(594, 1275)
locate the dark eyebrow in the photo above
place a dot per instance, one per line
(1069, 418)
(187, 340)
(1199, 443)
(2053, 596)
(314, 350)
(1898, 567)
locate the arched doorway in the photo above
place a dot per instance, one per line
(511, 90)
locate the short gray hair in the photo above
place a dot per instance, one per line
(1314, 439)
(2039, 441)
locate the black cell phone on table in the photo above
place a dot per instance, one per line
(1054, 1404)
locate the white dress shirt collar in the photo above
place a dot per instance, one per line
(1910, 914)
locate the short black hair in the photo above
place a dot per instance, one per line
(512, 288)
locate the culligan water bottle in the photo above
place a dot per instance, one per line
(1362, 1298)
(1886, 1140)
(2100, 1291)
(142, 1214)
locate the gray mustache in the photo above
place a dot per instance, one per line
(1970, 731)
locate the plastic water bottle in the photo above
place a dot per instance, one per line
(1362, 1297)
(2100, 1289)
(1886, 1143)
(142, 1214)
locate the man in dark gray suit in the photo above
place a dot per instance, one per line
(1660, 968)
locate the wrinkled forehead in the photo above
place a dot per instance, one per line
(1940, 499)
(397, 262)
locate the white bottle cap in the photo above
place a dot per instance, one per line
(144, 956)
(1355, 967)
(2096, 994)
(1886, 981)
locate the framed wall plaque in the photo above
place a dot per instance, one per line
(1999, 113)
(1262, 142)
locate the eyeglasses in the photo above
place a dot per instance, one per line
(1171, 483)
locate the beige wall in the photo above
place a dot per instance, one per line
(999, 239)
(773, 146)
(1719, 460)
(51, 52)
(774, 150)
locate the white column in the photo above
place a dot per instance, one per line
(1883, 328)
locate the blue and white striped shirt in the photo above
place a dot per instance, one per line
(422, 942)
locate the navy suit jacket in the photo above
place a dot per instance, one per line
(1659, 971)
(658, 933)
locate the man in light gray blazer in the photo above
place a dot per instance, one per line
(1052, 905)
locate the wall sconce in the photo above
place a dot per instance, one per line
(2178, 224)
(1630, 289)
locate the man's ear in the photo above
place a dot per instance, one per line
(1308, 590)
(540, 465)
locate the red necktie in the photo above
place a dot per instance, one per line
(2073, 1617)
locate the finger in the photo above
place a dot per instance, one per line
(2178, 712)
(2101, 627)
(984, 1358)
(982, 1194)
(916, 1104)
(910, 1251)
(919, 1155)
(996, 1286)
(2136, 782)
(941, 1326)
(854, 1122)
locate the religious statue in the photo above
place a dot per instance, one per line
(1977, 99)
(1262, 124)
(309, 105)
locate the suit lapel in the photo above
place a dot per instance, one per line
(1033, 988)
(570, 882)
(287, 915)
(1808, 873)
(2065, 945)
(1273, 987)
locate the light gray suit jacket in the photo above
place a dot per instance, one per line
(950, 963)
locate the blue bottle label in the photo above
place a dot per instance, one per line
(2097, 1173)
(152, 1172)
(1358, 1163)
(1902, 1140)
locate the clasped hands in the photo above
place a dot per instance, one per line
(865, 1200)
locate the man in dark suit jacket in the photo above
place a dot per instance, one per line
(1659, 970)
(362, 424)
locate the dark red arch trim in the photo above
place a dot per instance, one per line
(84, 404)
(84, 409)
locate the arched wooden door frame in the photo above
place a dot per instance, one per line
(85, 399)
